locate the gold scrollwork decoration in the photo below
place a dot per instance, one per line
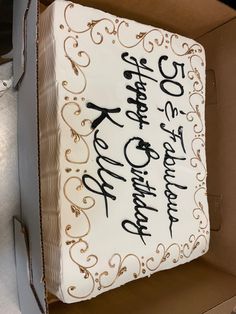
(199, 212)
(75, 134)
(110, 30)
(187, 49)
(142, 37)
(162, 254)
(76, 241)
(193, 243)
(92, 260)
(198, 127)
(88, 203)
(174, 251)
(109, 27)
(76, 66)
(121, 269)
(197, 159)
(194, 73)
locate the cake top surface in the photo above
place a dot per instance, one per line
(131, 158)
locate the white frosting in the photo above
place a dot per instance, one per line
(88, 56)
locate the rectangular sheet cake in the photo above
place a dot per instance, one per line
(122, 150)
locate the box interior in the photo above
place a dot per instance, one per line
(189, 18)
(199, 286)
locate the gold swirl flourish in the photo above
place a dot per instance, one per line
(93, 260)
(194, 74)
(75, 208)
(141, 37)
(163, 253)
(185, 46)
(121, 269)
(91, 27)
(198, 212)
(74, 134)
(110, 29)
(76, 67)
(193, 244)
(196, 160)
(94, 23)
(78, 240)
(195, 112)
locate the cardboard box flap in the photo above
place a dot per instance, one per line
(189, 18)
(228, 307)
(28, 154)
(20, 10)
(29, 302)
(220, 46)
(193, 288)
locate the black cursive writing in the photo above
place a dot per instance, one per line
(139, 88)
(141, 186)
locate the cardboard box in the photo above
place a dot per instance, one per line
(206, 285)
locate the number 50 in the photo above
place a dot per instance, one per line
(169, 78)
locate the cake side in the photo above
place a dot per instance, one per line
(49, 152)
(132, 167)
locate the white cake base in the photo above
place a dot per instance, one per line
(122, 148)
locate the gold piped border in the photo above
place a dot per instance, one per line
(117, 265)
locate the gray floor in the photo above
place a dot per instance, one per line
(9, 195)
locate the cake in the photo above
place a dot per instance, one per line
(122, 150)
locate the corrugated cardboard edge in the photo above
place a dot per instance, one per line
(32, 296)
(38, 134)
(29, 302)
